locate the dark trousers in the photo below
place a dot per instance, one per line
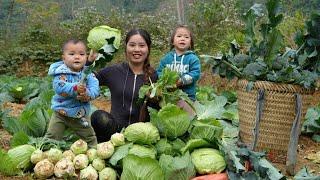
(104, 125)
(58, 124)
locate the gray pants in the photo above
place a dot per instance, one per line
(59, 123)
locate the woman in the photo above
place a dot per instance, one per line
(124, 81)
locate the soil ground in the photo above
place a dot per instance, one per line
(306, 144)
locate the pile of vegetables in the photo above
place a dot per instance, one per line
(173, 145)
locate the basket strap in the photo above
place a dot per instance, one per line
(259, 108)
(294, 137)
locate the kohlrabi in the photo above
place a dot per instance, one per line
(43, 169)
(79, 147)
(107, 174)
(105, 150)
(98, 164)
(37, 156)
(92, 154)
(54, 155)
(68, 154)
(117, 139)
(89, 173)
(64, 169)
(80, 161)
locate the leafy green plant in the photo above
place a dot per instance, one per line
(266, 58)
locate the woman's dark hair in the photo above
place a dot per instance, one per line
(147, 69)
(72, 41)
(174, 33)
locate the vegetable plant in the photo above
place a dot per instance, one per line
(104, 40)
(265, 58)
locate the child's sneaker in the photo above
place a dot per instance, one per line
(84, 122)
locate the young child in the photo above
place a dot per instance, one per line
(69, 111)
(183, 60)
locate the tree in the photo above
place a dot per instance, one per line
(181, 12)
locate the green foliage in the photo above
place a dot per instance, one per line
(7, 166)
(290, 25)
(41, 27)
(261, 168)
(134, 6)
(214, 24)
(266, 58)
(178, 168)
(311, 125)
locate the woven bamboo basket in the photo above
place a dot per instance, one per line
(277, 118)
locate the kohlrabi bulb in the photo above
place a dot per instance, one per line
(79, 147)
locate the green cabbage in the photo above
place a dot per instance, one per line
(21, 156)
(98, 35)
(142, 133)
(164, 147)
(135, 167)
(208, 160)
(171, 121)
(178, 167)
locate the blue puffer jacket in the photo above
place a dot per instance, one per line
(64, 83)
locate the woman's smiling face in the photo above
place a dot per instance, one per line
(137, 49)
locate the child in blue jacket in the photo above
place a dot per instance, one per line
(69, 111)
(183, 60)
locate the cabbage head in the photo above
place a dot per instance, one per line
(98, 35)
(208, 161)
(142, 133)
(135, 167)
(21, 156)
(171, 121)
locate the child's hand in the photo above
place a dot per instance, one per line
(92, 56)
(179, 83)
(81, 89)
(83, 98)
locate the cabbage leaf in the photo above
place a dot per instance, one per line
(177, 168)
(138, 168)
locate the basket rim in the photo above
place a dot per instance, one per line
(273, 86)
